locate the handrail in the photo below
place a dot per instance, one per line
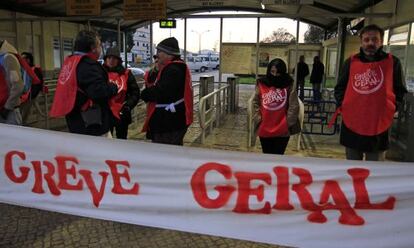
(251, 122)
(217, 103)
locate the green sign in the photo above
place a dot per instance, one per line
(168, 23)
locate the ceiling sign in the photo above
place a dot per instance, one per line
(83, 8)
(212, 3)
(286, 2)
(168, 23)
(31, 1)
(145, 9)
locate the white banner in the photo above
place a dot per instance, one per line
(301, 202)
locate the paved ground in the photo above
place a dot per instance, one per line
(25, 227)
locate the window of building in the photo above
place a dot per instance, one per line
(398, 42)
(67, 50)
(409, 75)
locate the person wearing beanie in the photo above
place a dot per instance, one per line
(128, 92)
(276, 102)
(170, 98)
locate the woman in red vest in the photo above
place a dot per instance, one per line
(128, 92)
(277, 104)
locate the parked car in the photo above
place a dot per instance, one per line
(196, 63)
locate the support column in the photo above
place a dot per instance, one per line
(185, 40)
(233, 82)
(62, 54)
(257, 47)
(340, 47)
(221, 50)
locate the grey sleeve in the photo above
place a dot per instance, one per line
(293, 108)
(14, 81)
(256, 103)
(342, 82)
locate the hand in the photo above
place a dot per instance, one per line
(4, 113)
(125, 114)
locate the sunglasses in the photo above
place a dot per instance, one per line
(155, 57)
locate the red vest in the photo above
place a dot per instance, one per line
(369, 103)
(117, 101)
(188, 96)
(31, 77)
(273, 109)
(66, 87)
(147, 79)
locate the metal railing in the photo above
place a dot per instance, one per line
(212, 108)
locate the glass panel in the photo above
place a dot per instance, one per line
(398, 42)
(410, 63)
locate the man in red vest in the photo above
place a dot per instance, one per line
(11, 85)
(83, 89)
(170, 98)
(128, 92)
(371, 85)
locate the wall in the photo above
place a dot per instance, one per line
(20, 35)
(404, 13)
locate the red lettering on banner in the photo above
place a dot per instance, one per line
(64, 171)
(118, 189)
(199, 188)
(362, 199)
(66, 166)
(96, 195)
(282, 193)
(243, 181)
(38, 184)
(8, 167)
(331, 190)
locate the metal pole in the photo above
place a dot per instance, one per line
(338, 48)
(89, 25)
(32, 33)
(119, 36)
(16, 31)
(199, 43)
(296, 54)
(62, 54)
(151, 40)
(125, 50)
(221, 49)
(185, 40)
(257, 48)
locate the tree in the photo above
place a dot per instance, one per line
(314, 34)
(281, 35)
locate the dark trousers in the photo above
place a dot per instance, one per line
(274, 145)
(121, 129)
(316, 92)
(300, 87)
(171, 138)
(353, 154)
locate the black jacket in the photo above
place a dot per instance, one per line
(133, 92)
(303, 71)
(169, 89)
(318, 70)
(93, 81)
(360, 142)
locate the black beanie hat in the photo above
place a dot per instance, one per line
(112, 51)
(169, 46)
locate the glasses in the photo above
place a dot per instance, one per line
(155, 57)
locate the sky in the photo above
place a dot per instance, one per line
(234, 30)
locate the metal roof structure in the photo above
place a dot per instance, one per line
(323, 13)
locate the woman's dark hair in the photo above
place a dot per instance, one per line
(29, 57)
(85, 41)
(279, 64)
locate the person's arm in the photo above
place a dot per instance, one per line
(293, 107)
(132, 96)
(342, 82)
(170, 83)
(399, 85)
(92, 79)
(14, 81)
(256, 103)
